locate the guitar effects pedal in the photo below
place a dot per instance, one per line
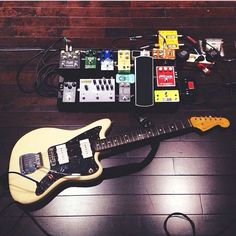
(90, 59)
(165, 76)
(69, 58)
(107, 60)
(124, 65)
(97, 90)
(144, 85)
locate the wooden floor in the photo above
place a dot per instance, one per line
(194, 174)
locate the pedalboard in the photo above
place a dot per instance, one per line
(122, 79)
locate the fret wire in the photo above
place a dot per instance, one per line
(127, 138)
(145, 133)
(160, 130)
(120, 139)
(179, 125)
(172, 129)
(132, 136)
(167, 128)
(150, 131)
(182, 124)
(115, 141)
(176, 126)
(187, 124)
(153, 132)
(138, 136)
(108, 142)
(157, 132)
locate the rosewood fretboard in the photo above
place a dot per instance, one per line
(140, 134)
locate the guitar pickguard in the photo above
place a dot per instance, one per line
(71, 158)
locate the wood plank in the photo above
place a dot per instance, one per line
(182, 4)
(84, 32)
(49, 31)
(220, 204)
(167, 185)
(118, 11)
(116, 22)
(52, 4)
(205, 166)
(99, 42)
(81, 12)
(116, 205)
(199, 12)
(206, 225)
(191, 149)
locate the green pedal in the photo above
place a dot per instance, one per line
(90, 60)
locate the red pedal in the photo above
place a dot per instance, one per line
(165, 76)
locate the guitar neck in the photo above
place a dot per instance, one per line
(140, 135)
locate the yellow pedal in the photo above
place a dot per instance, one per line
(168, 39)
(124, 61)
(167, 96)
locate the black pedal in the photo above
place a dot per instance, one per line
(144, 84)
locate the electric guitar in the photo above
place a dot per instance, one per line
(45, 158)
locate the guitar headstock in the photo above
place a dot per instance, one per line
(205, 123)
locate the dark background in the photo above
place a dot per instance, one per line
(193, 174)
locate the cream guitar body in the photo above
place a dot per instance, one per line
(43, 155)
(45, 158)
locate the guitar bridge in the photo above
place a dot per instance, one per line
(30, 162)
